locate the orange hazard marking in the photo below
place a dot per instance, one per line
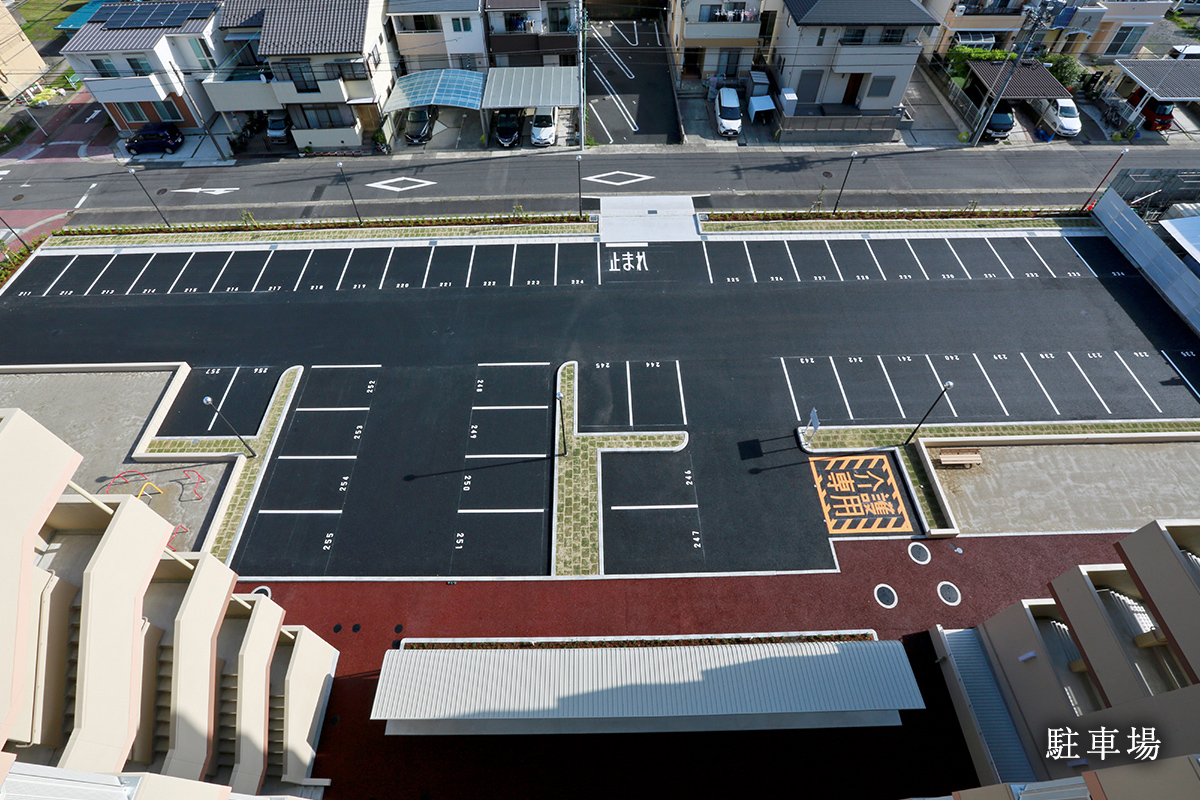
(859, 494)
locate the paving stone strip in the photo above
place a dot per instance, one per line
(243, 489)
(782, 225)
(577, 497)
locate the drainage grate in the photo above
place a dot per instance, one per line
(949, 593)
(886, 596)
(919, 553)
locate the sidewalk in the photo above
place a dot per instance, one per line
(76, 129)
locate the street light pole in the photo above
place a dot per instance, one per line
(947, 386)
(148, 197)
(1088, 202)
(208, 402)
(562, 422)
(845, 178)
(579, 181)
(14, 233)
(352, 202)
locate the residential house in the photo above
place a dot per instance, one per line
(20, 64)
(721, 38)
(857, 55)
(439, 34)
(532, 33)
(144, 62)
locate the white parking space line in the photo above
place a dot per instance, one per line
(599, 274)
(60, 276)
(508, 455)
(988, 378)
(787, 250)
(1039, 257)
(1180, 374)
(303, 270)
(596, 114)
(106, 266)
(177, 277)
(893, 388)
(876, 260)
(471, 264)
(940, 384)
(299, 511)
(386, 264)
(629, 393)
(612, 93)
(428, 264)
(262, 271)
(556, 263)
(1039, 383)
(1089, 381)
(512, 270)
(221, 402)
(835, 264)
(707, 266)
(502, 511)
(750, 261)
(135, 280)
(657, 38)
(325, 409)
(791, 392)
(345, 267)
(509, 408)
(611, 52)
(839, 380)
(964, 266)
(682, 403)
(513, 364)
(998, 258)
(213, 288)
(914, 255)
(1067, 239)
(316, 458)
(626, 38)
(346, 366)
(1138, 382)
(665, 507)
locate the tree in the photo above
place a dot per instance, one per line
(959, 55)
(1065, 68)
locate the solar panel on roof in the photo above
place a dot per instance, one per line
(102, 13)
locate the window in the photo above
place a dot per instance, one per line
(301, 74)
(461, 24)
(709, 13)
(517, 21)
(1125, 40)
(202, 53)
(821, 36)
(881, 86)
(327, 116)
(347, 70)
(854, 36)
(139, 65)
(425, 22)
(132, 112)
(105, 68)
(892, 36)
(167, 112)
(466, 62)
(375, 58)
(560, 19)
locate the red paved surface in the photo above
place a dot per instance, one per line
(992, 573)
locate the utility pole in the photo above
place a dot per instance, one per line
(1040, 14)
(581, 22)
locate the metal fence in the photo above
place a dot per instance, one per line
(944, 81)
(1153, 191)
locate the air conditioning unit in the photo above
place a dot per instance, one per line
(960, 10)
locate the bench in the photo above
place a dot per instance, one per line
(960, 456)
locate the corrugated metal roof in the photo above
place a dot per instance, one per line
(313, 27)
(531, 87)
(859, 12)
(1173, 79)
(80, 18)
(436, 87)
(630, 682)
(1031, 79)
(431, 6)
(93, 38)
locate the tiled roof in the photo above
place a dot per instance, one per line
(1031, 79)
(430, 6)
(93, 38)
(858, 12)
(242, 13)
(313, 27)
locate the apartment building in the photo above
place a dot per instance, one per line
(20, 64)
(439, 34)
(532, 33)
(1114, 647)
(120, 657)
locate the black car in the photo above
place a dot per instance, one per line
(157, 137)
(1001, 123)
(418, 124)
(507, 124)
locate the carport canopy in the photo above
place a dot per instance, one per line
(1173, 80)
(1030, 81)
(531, 87)
(436, 87)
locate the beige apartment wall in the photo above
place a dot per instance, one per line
(1093, 633)
(1157, 566)
(108, 686)
(254, 694)
(40, 719)
(20, 64)
(35, 466)
(194, 679)
(143, 739)
(306, 688)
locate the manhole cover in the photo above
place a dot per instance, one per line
(263, 590)
(337, 628)
(161, 191)
(919, 553)
(356, 627)
(949, 593)
(399, 629)
(886, 596)
(18, 197)
(826, 174)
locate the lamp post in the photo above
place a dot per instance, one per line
(14, 233)
(1088, 202)
(208, 402)
(148, 197)
(579, 181)
(562, 422)
(339, 166)
(845, 178)
(947, 386)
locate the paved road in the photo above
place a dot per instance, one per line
(546, 181)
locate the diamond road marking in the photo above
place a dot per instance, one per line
(395, 184)
(631, 177)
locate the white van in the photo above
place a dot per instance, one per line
(1186, 51)
(729, 113)
(1060, 116)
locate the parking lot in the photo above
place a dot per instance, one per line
(421, 440)
(629, 95)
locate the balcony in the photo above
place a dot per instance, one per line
(134, 88)
(991, 7)
(241, 88)
(287, 92)
(869, 54)
(328, 138)
(722, 29)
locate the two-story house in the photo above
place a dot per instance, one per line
(439, 34)
(851, 54)
(721, 37)
(144, 62)
(532, 33)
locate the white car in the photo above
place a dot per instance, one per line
(1060, 116)
(545, 127)
(729, 113)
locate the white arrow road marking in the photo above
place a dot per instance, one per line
(395, 184)
(226, 190)
(83, 199)
(93, 115)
